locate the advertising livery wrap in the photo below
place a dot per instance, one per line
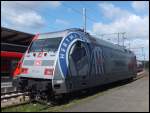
(64, 49)
(71, 60)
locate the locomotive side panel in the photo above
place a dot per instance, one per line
(116, 65)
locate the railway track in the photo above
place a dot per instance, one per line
(11, 95)
(15, 98)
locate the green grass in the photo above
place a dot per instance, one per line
(24, 108)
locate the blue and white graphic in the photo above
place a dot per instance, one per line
(63, 55)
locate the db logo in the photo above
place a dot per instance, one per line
(38, 62)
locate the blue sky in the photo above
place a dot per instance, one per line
(131, 17)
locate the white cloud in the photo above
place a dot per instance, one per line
(31, 4)
(140, 5)
(24, 20)
(62, 22)
(135, 26)
(28, 19)
(136, 46)
(112, 12)
(21, 17)
(55, 3)
(24, 14)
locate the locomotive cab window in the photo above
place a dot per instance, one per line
(45, 45)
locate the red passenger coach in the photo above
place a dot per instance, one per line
(13, 45)
(9, 62)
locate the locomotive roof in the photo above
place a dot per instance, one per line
(61, 33)
(107, 44)
(93, 39)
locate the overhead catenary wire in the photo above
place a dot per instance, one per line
(93, 20)
(75, 10)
